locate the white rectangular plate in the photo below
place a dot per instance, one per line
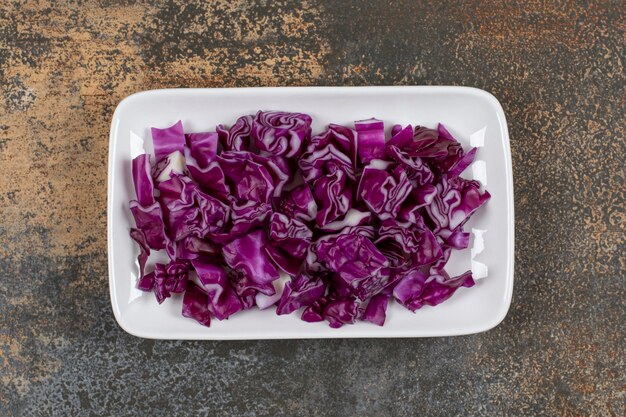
(473, 116)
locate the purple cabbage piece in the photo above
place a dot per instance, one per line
(175, 276)
(244, 216)
(165, 280)
(202, 146)
(456, 200)
(371, 139)
(190, 212)
(192, 247)
(150, 221)
(255, 177)
(425, 143)
(416, 290)
(418, 198)
(341, 311)
(247, 289)
(334, 197)
(457, 239)
(210, 178)
(418, 172)
(222, 298)
(172, 165)
(313, 313)
(383, 188)
(283, 260)
(281, 133)
(249, 179)
(195, 305)
(313, 263)
(289, 242)
(352, 256)
(222, 139)
(340, 288)
(457, 159)
(279, 169)
(437, 270)
(376, 310)
(169, 140)
(334, 309)
(462, 162)
(374, 284)
(299, 204)
(247, 216)
(335, 149)
(247, 255)
(438, 148)
(144, 249)
(300, 292)
(291, 235)
(395, 275)
(142, 178)
(364, 288)
(406, 244)
(400, 137)
(146, 282)
(238, 137)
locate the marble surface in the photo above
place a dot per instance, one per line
(558, 70)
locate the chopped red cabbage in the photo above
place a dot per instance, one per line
(196, 306)
(371, 134)
(144, 249)
(416, 289)
(383, 188)
(166, 279)
(150, 221)
(336, 149)
(281, 133)
(169, 140)
(376, 310)
(302, 291)
(202, 146)
(144, 187)
(406, 244)
(298, 204)
(222, 299)
(291, 235)
(246, 254)
(341, 311)
(238, 137)
(190, 212)
(334, 197)
(355, 220)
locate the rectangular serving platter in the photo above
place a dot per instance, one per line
(473, 116)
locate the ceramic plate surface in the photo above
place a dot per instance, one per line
(473, 116)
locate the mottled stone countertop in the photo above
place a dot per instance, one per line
(557, 69)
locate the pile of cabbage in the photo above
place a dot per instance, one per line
(351, 219)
